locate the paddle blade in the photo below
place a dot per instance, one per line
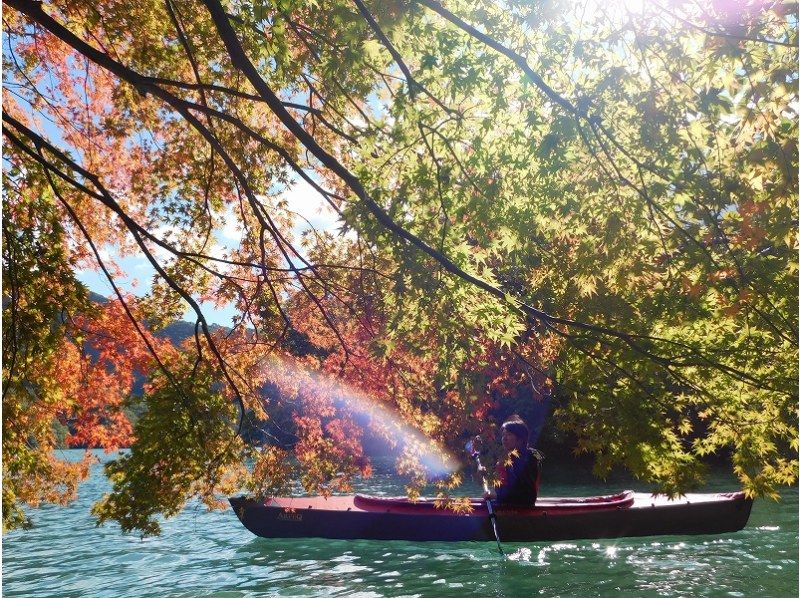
(473, 446)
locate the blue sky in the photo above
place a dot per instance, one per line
(301, 198)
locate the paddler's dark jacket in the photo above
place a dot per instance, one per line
(519, 481)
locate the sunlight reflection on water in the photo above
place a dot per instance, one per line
(203, 553)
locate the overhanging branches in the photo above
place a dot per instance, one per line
(666, 353)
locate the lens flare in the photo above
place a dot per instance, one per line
(435, 460)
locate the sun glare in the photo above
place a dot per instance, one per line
(591, 11)
(436, 460)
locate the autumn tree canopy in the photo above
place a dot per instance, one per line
(597, 200)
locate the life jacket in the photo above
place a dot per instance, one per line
(519, 480)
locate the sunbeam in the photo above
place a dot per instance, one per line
(434, 459)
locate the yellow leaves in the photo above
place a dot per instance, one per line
(685, 427)
(453, 481)
(587, 285)
(506, 240)
(430, 424)
(762, 483)
(508, 461)
(372, 49)
(460, 505)
(413, 492)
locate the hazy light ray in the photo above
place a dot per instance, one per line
(435, 459)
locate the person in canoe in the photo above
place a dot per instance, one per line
(519, 472)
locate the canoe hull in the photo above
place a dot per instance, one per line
(344, 518)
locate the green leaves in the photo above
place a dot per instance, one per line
(186, 449)
(628, 175)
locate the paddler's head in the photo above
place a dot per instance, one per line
(515, 434)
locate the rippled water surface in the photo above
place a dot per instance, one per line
(211, 554)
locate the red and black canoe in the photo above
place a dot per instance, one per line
(398, 518)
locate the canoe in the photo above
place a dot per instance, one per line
(398, 518)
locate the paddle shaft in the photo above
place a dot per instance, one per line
(489, 507)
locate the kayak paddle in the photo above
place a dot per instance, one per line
(473, 451)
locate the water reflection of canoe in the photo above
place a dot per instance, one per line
(378, 518)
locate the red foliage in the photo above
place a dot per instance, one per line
(99, 377)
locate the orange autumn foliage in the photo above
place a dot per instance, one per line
(100, 375)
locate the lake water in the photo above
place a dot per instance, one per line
(211, 554)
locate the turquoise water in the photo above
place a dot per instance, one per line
(211, 554)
